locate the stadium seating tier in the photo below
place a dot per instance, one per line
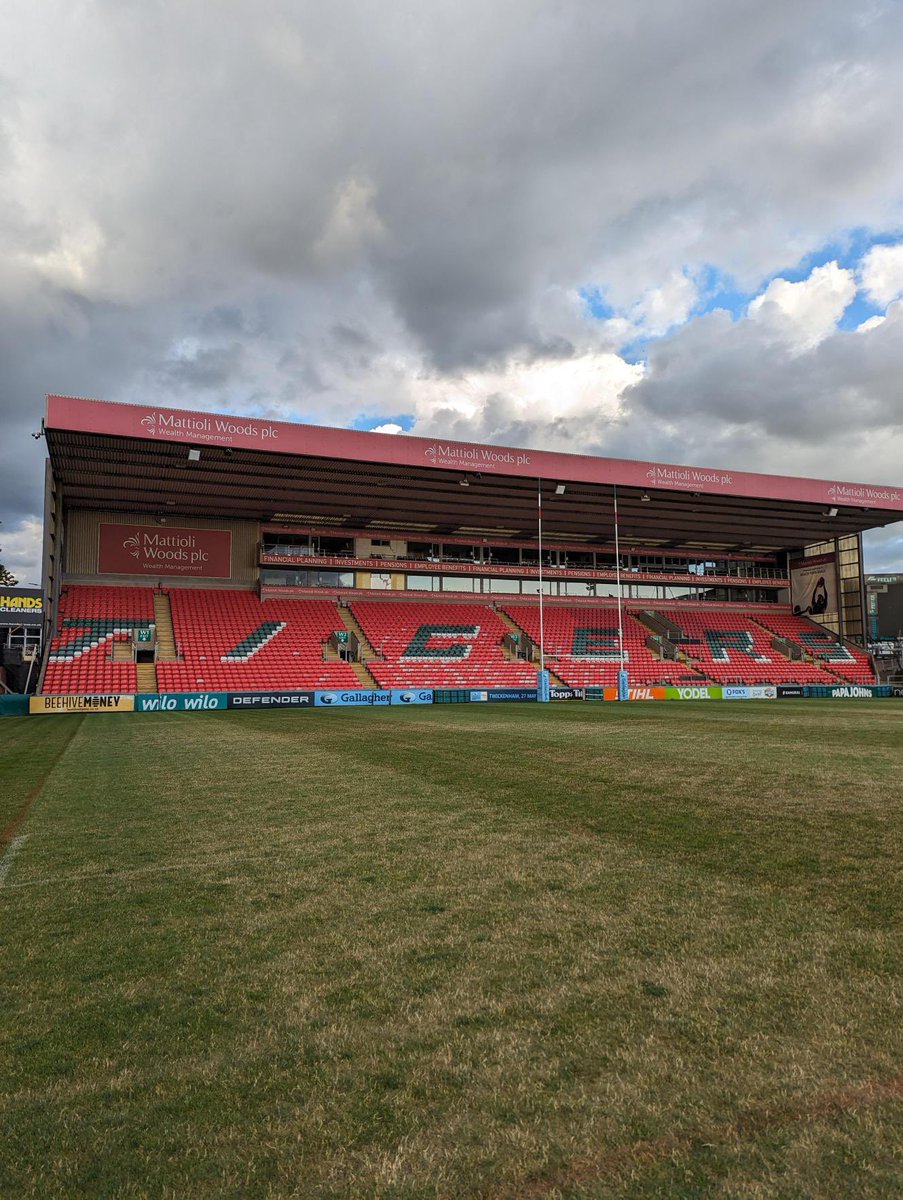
(439, 644)
(583, 649)
(233, 641)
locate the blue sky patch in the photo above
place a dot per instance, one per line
(367, 421)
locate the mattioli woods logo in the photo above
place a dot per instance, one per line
(149, 550)
(166, 549)
(845, 493)
(198, 428)
(687, 477)
(443, 454)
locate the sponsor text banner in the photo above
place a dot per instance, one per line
(754, 692)
(635, 693)
(199, 429)
(447, 567)
(21, 606)
(81, 704)
(258, 700)
(351, 699)
(164, 550)
(180, 701)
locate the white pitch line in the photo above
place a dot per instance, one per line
(11, 851)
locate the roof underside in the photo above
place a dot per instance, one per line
(153, 477)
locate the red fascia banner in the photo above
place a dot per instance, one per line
(403, 450)
(164, 550)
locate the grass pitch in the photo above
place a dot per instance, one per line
(477, 951)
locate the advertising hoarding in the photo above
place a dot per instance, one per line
(351, 699)
(202, 428)
(21, 606)
(164, 550)
(180, 701)
(755, 692)
(813, 585)
(259, 700)
(81, 704)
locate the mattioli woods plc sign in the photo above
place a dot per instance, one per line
(196, 427)
(164, 550)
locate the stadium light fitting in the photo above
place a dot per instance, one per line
(464, 482)
(832, 512)
(560, 489)
(645, 497)
(194, 455)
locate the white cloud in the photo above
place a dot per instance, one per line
(881, 273)
(870, 323)
(565, 391)
(21, 551)
(802, 314)
(661, 308)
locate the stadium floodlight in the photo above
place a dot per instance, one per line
(464, 482)
(560, 489)
(832, 512)
(645, 497)
(194, 455)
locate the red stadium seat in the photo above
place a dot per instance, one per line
(439, 644)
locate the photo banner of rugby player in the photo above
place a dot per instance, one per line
(813, 585)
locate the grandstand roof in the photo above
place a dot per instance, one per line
(136, 458)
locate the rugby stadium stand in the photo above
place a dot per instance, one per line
(838, 658)
(733, 648)
(92, 622)
(439, 644)
(233, 641)
(583, 650)
(194, 551)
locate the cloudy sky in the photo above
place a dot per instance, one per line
(634, 227)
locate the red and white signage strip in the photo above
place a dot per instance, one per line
(200, 429)
(164, 550)
(420, 567)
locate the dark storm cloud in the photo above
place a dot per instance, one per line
(298, 208)
(738, 373)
